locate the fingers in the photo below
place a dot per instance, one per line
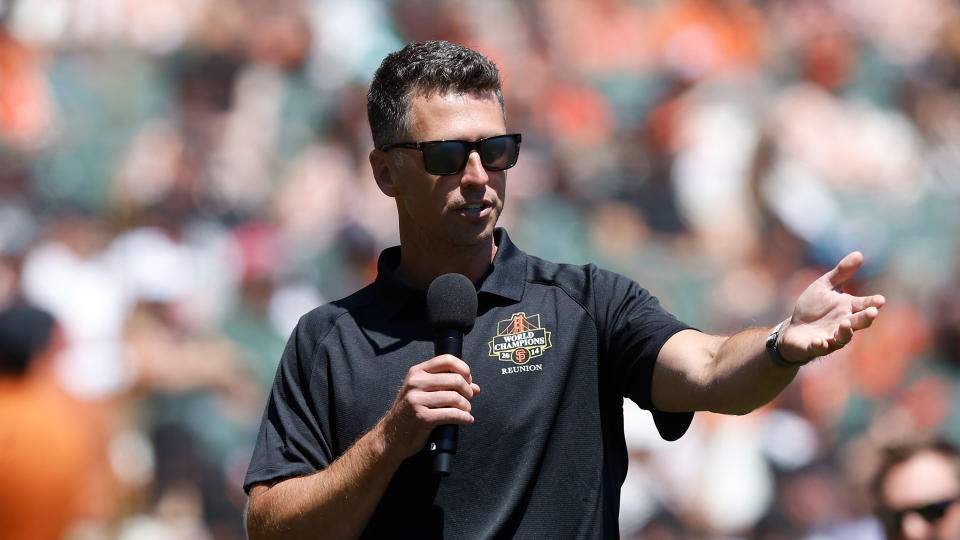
(863, 319)
(435, 392)
(861, 303)
(857, 321)
(438, 382)
(446, 363)
(821, 347)
(437, 402)
(844, 333)
(845, 269)
(440, 389)
(440, 407)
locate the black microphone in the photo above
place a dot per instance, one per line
(451, 310)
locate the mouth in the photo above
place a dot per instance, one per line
(477, 209)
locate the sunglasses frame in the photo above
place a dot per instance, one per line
(469, 146)
(930, 512)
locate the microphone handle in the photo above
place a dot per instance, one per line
(443, 439)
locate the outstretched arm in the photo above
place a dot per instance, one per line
(735, 374)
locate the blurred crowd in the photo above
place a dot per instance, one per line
(181, 179)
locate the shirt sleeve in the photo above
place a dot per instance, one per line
(294, 431)
(633, 328)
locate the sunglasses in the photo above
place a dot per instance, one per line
(497, 153)
(931, 513)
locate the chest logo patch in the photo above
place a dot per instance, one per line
(519, 339)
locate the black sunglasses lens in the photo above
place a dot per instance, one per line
(499, 153)
(933, 512)
(447, 157)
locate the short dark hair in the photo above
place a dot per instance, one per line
(424, 67)
(24, 332)
(898, 454)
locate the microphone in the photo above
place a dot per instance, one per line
(451, 310)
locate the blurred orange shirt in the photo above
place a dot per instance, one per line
(44, 458)
(26, 108)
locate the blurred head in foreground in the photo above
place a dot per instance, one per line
(916, 491)
(24, 333)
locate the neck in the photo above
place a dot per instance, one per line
(421, 263)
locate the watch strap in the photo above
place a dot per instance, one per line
(773, 348)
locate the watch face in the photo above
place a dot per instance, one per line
(772, 338)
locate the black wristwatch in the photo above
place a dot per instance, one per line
(773, 348)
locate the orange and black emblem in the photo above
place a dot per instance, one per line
(519, 339)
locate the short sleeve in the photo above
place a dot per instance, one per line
(633, 328)
(294, 431)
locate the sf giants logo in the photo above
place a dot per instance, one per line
(519, 339)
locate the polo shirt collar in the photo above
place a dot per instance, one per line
(506, 278)
(395, 293)
(508, 274)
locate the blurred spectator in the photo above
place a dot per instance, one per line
(916, 491)
(26, 108)
(68, 274)
(44, 445)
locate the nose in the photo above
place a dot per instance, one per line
(915, 527)
(474, 173)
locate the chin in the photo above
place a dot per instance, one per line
(473, 236)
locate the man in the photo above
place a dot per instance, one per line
(916, 491)
(555, 347)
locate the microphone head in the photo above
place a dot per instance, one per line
(452, 302)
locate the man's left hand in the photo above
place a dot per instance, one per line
(825, 318)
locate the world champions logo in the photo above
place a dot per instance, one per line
(519, 339)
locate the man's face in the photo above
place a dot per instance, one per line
(453, 210)
(925, 478)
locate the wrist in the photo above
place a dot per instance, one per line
(383, 443)
(775, 350)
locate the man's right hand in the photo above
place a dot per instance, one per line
(340, 499)
(434, 393)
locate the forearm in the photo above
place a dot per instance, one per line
(741, 377)
(699, 372)
(336, 502)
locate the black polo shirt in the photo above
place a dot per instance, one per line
(554, 348)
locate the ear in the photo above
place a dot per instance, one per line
(382, 172)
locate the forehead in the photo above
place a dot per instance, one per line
(454, 116)
(924, 478)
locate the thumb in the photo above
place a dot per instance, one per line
(844, 270)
